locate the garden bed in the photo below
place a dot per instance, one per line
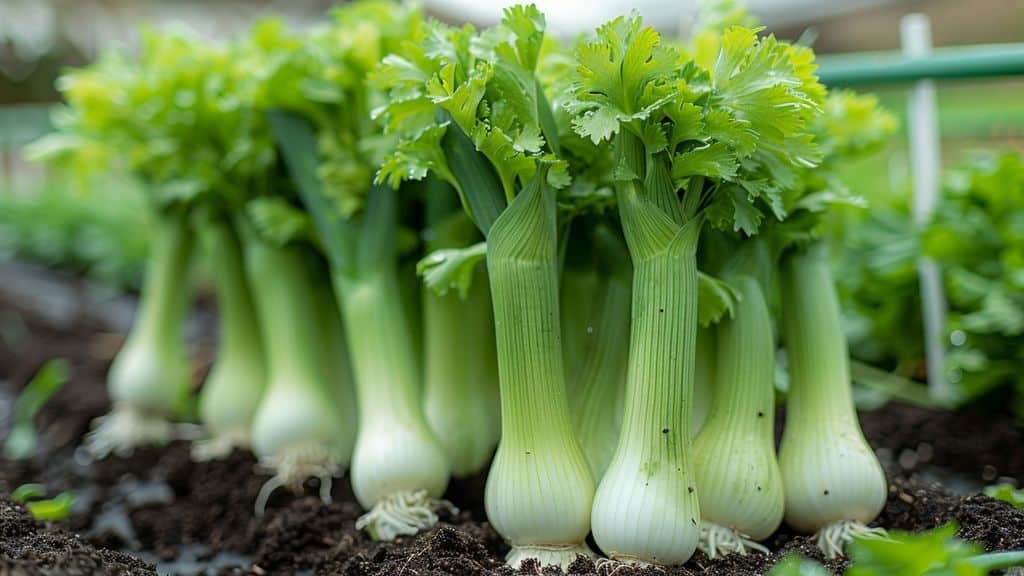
(160, 509)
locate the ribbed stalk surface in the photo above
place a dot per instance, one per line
(738, 478)
(600, 383)
(539, 490)
(646, 505)
(829, 471)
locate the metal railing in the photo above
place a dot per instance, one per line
(919, 66)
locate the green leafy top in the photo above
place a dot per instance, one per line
(733, 128)
(852, 126)
(173, 116)
(484, 84)
(935, 553)
(321, 75)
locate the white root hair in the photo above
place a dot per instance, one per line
(717, 541)
(832, 539)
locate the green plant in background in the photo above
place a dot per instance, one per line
(22, 438)
(100, 234)
(935, 553)
(984, 279)
(1007, 493)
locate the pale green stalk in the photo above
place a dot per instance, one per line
(232, 391)
(646, 506)
(598, 387)
(298, 431)
(832, 477)
(704, 377)
(150, 379)
(539, 490)
(738, 479)
(461, 396)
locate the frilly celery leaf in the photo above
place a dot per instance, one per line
(278, 221)
(451, 268)
(716, 299)
(730, 125)
(468, 107)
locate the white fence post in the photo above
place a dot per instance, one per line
(925, 163)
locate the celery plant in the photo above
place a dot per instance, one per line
(597, 386)
(834, 484)
(725, 130)
(469, 110)
(461, 374)
(324, 130)
(154, 113)
(741, 496)
(232, 391)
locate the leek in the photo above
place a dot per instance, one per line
(834, 484)
(596, 391)
(398, 468)
(646, 507)
(720, 129)
(297, 431)
(461, 375)
(232, 391)
(539, 490)
(150, 379)
(738, 478)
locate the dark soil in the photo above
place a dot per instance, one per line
(170, 506)
(29, 547)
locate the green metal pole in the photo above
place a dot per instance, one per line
(947, 63)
